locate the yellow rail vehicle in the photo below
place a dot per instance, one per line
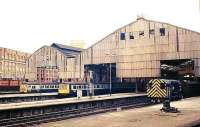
(23, 88)
(64, 89)
(156, 88)
(159, 89)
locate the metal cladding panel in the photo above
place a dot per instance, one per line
(154, 47)
(137, 57)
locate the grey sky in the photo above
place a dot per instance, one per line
(29, 24)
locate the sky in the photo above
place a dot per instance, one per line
(27, 25)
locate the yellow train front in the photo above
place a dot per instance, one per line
(64, 89)
(160, 89)
(81, 88)
(70, 89)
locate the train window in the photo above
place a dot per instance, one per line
(150, 85)
(79, 87)
(74, 87)
(162, 85)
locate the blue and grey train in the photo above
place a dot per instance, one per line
(70, 89)
(39, 87)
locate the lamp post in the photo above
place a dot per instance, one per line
(110, 73)
(110, 79)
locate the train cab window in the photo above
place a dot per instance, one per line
(85, 86)
(150, 85)
(162, 85)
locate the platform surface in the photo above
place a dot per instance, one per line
(27, 95)
(140, 117)
(64, 101)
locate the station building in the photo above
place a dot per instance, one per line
(135, 53)
(12, 64)
(142, 50)
(51, 63)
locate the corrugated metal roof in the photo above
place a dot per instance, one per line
(69, 51)
(66, 47)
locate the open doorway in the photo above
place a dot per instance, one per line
(176, 68)
(101, 72)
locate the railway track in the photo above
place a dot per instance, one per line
(71, 113)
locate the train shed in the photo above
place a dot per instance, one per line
(134, 53)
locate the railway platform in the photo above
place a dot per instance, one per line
(72, 100)
(150, 116)
(28, 113)
(16, 98)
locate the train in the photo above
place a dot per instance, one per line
(160, 89)
(9, 85)
(72, 89)
(38, 87)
